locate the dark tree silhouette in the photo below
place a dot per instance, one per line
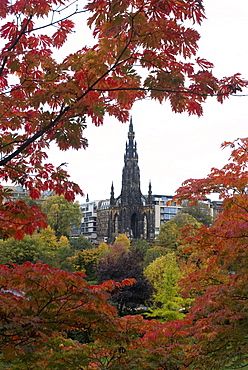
(119, 267)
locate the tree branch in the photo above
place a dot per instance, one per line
(63, 111)
(147, 89)
(60, 20)
(11, 47)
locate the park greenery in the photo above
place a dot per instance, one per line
(65, 304)
(170, 231)
(200, 211)
(61, 215)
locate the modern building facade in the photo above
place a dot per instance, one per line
(164, 212)
(131, 213)
(88, 222)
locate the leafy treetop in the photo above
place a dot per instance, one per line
(164, 274)
(61, 214)
(200, 211)
(172, 230)
(44, 305)
(122, 241)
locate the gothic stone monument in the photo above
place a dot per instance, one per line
(131, 213)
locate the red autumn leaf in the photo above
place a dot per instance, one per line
(203, 63)
(8, 29)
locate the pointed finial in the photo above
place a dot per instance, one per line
(149, 198)
(131, 124)
(112, 195)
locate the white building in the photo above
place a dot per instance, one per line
(88, 221)
(164, 212)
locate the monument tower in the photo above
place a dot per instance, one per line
(131, 213)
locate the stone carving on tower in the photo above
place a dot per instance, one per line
(131, 213)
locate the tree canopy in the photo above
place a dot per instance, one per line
(141, 244)
(118, 267)
(61, 214)
(200, 211)
(143, 49)
(44, 305)
(219, 283)
(41, 247)
(80, 243)
(122, 241)
(171, 230)
(164, 274)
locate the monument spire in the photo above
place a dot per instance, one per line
(130, 193)
(131, 145)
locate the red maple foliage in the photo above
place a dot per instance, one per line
(219, 312)
(41, 308)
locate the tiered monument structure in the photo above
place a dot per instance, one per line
(131, 213)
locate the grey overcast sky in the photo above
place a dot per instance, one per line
(172, 147)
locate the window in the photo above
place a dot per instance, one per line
(169, 210)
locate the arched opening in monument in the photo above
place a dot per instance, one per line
(134, 226)
(116, 224)
(145, 227)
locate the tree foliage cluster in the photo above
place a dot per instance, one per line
(168, 304)
(200, 211)
(172, 232)
(61, 215)
(44, 247)
(118, 265)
